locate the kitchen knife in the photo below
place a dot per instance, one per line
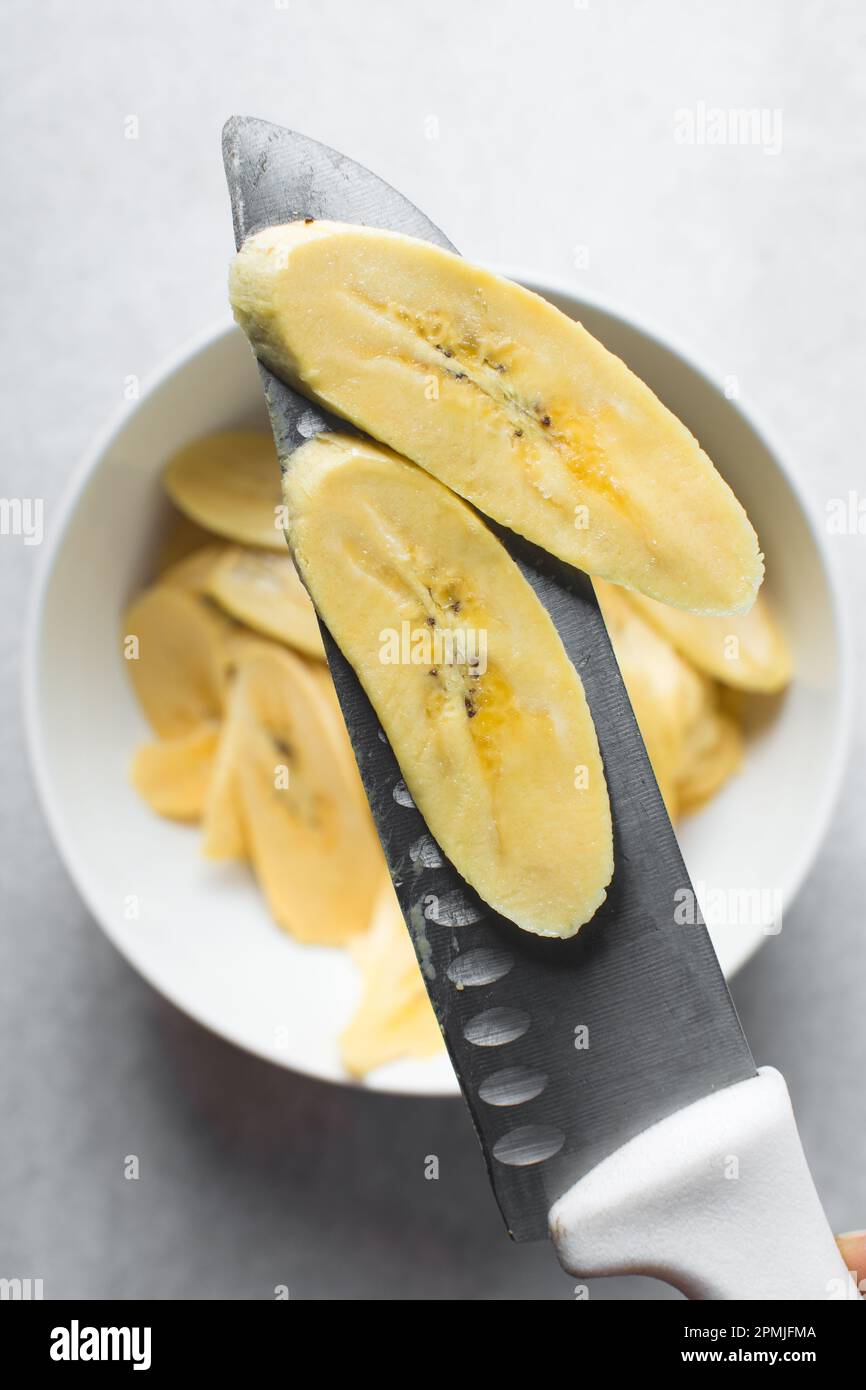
(613, 1092)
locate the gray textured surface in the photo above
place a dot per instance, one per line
(555, 134)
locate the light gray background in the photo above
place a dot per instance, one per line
(555, 133)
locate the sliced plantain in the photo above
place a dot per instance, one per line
(176, 654)
(692, 744)
(309, 832)
(501, 396)
(395, 1017)
(747, 651)
(713, 754)
(485, 712)
(173, 776)
(230, 483)
(264, 591)
(193, 572)
(224, 834)
(666, 694)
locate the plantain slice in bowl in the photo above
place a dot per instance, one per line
(484, 711)
(224, 835)
(714, 752)
(395, 1017)
(263, 590)
(174, 775)
(502, 397)
(692, 744)
(177, 655)
(747, 651)
(229, 484)
(666, 694)
(193, 572)
(306, 828)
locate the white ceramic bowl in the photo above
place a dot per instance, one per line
(199, 932)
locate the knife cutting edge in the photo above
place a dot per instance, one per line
(607, 1076)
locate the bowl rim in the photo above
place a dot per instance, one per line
(203, 341)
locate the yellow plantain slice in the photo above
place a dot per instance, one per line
(395, 1017)
(692, 745)
(485, 712)
(264, 591)
(230, 483)
(310, 836)
(747, 651)
(192, 575)
(666, 694)
(173, 776)
(333, 716)
(176, 656)
(713, 754)
(501, 396)
(192, 572)
(224, 834)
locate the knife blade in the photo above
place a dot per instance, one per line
(564, 1050)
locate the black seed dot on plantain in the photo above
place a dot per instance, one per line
(545, 420)
(308, 220)
(471, 711)
(431, 622)
(434, 671)
(518, 434)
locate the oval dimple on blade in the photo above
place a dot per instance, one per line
(527, 1145)
(496, 1027)
(512, 1086)
(483, 966)
(402, 795)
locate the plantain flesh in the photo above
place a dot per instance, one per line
(483, 708)
(502, 397)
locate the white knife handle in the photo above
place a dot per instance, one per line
(717, 1200)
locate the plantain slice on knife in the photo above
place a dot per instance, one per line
(502, 397)
(484, 711)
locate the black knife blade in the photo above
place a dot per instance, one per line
(563, 1049)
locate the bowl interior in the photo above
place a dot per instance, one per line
(199, 932)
